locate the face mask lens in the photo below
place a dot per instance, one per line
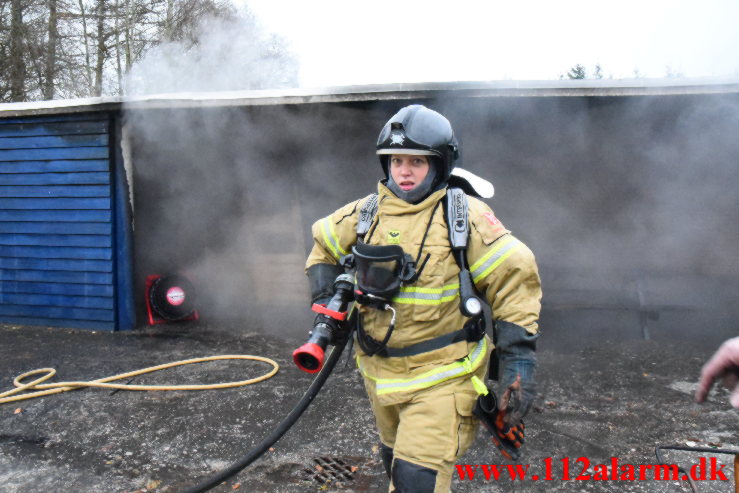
(378, 276)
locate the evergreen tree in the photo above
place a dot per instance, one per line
(577, 72)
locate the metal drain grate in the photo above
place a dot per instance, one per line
(330, 470)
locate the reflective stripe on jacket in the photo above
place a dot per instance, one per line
(432, 377)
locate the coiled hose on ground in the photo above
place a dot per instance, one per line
(41, 389)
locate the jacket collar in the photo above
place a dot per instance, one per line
(394, 206)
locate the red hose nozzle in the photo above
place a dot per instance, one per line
(309, 357)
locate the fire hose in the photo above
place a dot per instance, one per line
(280, 430)
(310, 358)
(684, 472)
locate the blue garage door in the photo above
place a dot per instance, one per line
(57, 255)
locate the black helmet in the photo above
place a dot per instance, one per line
(416, 129)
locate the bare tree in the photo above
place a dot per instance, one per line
(85, 42)
(183, 17)
(80, 48)
(51, 49)
(598, 71)
(102, 49)
(4, 49)
(17, 64)
(118, 52)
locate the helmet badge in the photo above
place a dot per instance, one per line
(397, 138)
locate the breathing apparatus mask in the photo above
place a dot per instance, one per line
(380, 271)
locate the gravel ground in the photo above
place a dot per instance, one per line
(599, 401)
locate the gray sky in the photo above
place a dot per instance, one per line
(343, 42)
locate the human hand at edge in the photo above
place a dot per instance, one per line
(724, 364)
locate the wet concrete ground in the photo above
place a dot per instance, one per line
(599, 401)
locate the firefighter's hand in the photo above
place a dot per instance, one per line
(509, 427)
(511, 438)
(725, 365)
(338, 333)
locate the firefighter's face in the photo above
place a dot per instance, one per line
(408, 171)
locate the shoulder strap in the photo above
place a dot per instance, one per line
(366, 216)
(455, 214)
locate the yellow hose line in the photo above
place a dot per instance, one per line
(56, 388)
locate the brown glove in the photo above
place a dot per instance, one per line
(508, 439)
(509, 426)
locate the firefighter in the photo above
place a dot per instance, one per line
(423, 360)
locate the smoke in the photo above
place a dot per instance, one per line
(205, 193)
(628, 203)
(225, 54)
(227, 196)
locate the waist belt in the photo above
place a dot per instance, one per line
(473, 331)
